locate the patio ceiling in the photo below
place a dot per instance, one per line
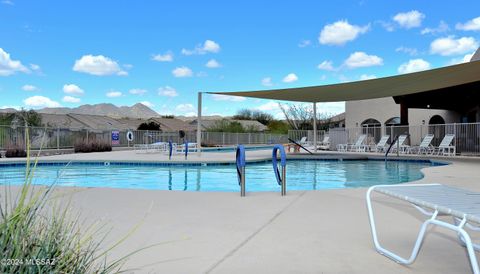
(451, 80)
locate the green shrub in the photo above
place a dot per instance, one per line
(92, 146)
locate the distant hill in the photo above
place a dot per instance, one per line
(136, 111)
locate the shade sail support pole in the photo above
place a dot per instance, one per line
(199, 124)
(314, 127)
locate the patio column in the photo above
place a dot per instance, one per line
(199, 124)
(403, 114)
(315, 127)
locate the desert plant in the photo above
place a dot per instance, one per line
(15, 151)
(92, 146)
(38, 236)
(149, 126)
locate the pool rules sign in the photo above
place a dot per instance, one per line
(115, 137)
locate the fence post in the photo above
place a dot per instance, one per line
(58, 138)
(249, 138)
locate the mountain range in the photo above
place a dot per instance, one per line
(138, 110)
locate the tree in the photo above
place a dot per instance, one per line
(301, 117)
(225, 125)
(22, 117)
(260, 116)
(149, 126)
(279, 127)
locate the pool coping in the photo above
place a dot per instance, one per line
(45, 162)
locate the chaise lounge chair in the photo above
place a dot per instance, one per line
(425, 146)
(445, 148)
(399, 144)
(325, 144)
(433, 200)
(382, 144)
(357, 147)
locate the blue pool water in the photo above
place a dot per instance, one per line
(301, 175)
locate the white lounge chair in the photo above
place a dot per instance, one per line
(445, 148)
(358, 146)
(433, 200)
(192, 147)
(425, 146)
(303, 141)
(382, 144)
(399, 144)
(154, 147)
(325, 144)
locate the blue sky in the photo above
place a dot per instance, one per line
(66, 53)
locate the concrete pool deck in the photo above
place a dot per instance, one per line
(323, 231)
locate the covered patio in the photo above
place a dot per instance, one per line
(452, 88)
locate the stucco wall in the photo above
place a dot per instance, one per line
(383, 109)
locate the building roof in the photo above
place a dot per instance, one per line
(98, 122)
(400, 85)
(173, 124)
(61, 121)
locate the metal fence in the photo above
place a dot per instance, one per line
(467, 135)
(60, 138)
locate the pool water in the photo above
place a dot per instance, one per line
(301, 175)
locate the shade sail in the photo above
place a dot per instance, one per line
(424, 81)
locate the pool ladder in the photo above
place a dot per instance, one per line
(281, 179)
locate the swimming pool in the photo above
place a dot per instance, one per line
(301, 175)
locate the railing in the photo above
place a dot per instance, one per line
(60, 138)
(467, 135)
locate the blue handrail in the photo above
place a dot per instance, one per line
(240, 162)
(170, 148)
(283, 161)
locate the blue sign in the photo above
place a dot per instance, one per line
(115, 137)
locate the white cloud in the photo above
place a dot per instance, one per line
(304, 43)
(413, 65)
(221, 97)
(137, 91)
(73, 89)
(147, 103)
(442, 27)
(212, 63)
(340, 33)
(465, 59)
(333, 108)
(167, 91)
(361, 59)
(35, 67)
(167, 57)
(208, 46)
(185, 108)
(113, 94)
(40, 101)
(98, 65)
(326, 65)
(7, 2)
(473, 24)
(291, 77)
(269, 106)
(29, 88)
(450, 46)
(367, 77)
(411, 19)
(70, 99)
(410, 51)
(267, 81)
(182, 72)
(9, 66)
